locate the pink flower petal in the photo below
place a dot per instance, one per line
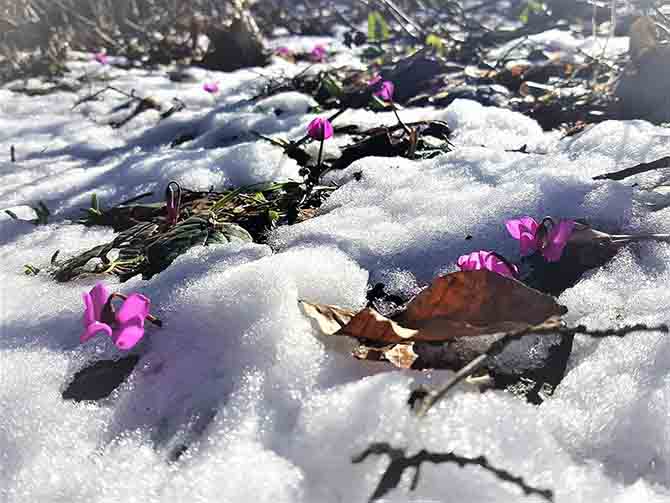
(93, 328)
(386, 91)
(516, 226)
(129, 334)
(320, 129)
(136, 305)
(99, 296)
(479, 260)
(557, 239)
(525, 230)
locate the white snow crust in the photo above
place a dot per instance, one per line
(270, 411)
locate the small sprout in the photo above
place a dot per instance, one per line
(30, 270)
(273, 216)
(12, 153)
(378, 28)
(54, 257)
(43, 214)
(173, 202)
(12, 214)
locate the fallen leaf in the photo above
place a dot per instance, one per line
(400, 355)
(478, 299)
(330, 319)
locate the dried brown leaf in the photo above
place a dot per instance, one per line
(330, 319)
(400, 355)
(479, 299)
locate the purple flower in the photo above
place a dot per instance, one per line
(478, 260)
(320, 129)
(284, 52)
(101, 58)
(125, 327)
(383, 89)
(318, 54)
(532, 236)
(211, 87)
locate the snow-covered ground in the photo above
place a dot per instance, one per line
(269, 410)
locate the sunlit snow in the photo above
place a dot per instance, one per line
(268, 410)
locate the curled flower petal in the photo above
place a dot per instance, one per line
(211, 87)
(479, 260)
(318, 54)
(101, 58)
(557, 238)
(386, 90)
(94, 303)
(136, 305)
(516, 226)
(94, 328)
(320, 129)
(127, 336)
(525, 230)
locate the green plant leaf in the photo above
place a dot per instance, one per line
(378, 28)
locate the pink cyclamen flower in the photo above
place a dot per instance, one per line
(532, 238)
(284, 52)
(125, 327)
(101, 58)
(211, 87)
(318, 54)
(320, 129)
(478, 260)
(385, 91)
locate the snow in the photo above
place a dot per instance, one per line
(268, 409)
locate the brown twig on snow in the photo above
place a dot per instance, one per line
(551, 326)
(400, 462)
(663, 162)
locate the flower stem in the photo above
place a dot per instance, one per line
(320, 158)
(395, 111)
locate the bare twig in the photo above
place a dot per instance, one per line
(401, 462)
(663, 162)
(551, 326)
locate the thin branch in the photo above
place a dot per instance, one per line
(551, 326)
(663, 162)
(401, 462)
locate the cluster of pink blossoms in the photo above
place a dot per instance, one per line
(532, 237)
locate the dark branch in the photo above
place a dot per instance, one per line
(551, 326)
(663, 162)
(400, 462)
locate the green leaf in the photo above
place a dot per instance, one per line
(436, 43)
(378, 28)
(332, 86)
